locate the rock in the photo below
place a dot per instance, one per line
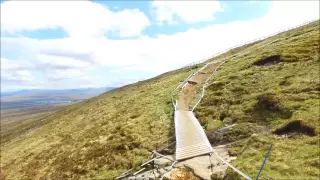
(162, 162)
(181, 174)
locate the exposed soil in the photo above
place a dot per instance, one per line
(270, 103)
(297, 126)
(268, 61)
(189, 90)
(2, 176)
(200, 166)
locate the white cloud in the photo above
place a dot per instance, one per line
(287, 13)
(71, 57)
(187, 11)
(21, 76)
(16, 73)
(59, 74)
(9, 65)
(77, 18)
(61, 62)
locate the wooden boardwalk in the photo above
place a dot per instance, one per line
(191, 139)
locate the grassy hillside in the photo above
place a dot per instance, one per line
(17, 121)
(100, 137)
(103, 136)
(261, 98)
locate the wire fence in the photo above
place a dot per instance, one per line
(225, 59)
(221, 63)
(181, 85)
(224, 51)
(246, 43)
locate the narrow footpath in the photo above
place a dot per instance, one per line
(193, 158)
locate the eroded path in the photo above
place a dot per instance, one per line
(193, 150)
(191, 140)
(189, 89)
(199, 162)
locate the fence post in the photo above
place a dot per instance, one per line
(264, 162)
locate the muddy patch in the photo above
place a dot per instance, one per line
(268, 61)
(297, 126)
(192, 82)
(269, 106)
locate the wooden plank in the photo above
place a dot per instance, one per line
(138, 171)
(191, 140)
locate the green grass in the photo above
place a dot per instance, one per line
(98, 138)
(18, 121)
(290, 158)
(260, 99)
(108, 134)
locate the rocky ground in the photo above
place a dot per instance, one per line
(201, 167)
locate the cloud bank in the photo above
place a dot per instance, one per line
(74, 59)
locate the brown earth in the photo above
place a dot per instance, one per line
(189, 90)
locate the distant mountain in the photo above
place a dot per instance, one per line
(52, 95)
(11, 93)
(60, 91)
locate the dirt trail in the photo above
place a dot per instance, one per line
(189, 90)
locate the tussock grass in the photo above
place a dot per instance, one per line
(270, 95)
(98, 138)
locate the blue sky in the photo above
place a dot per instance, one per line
(61, 45)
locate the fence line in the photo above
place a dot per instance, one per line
(226, 50)
(215, 70)
(205, 84)
(248, 42)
